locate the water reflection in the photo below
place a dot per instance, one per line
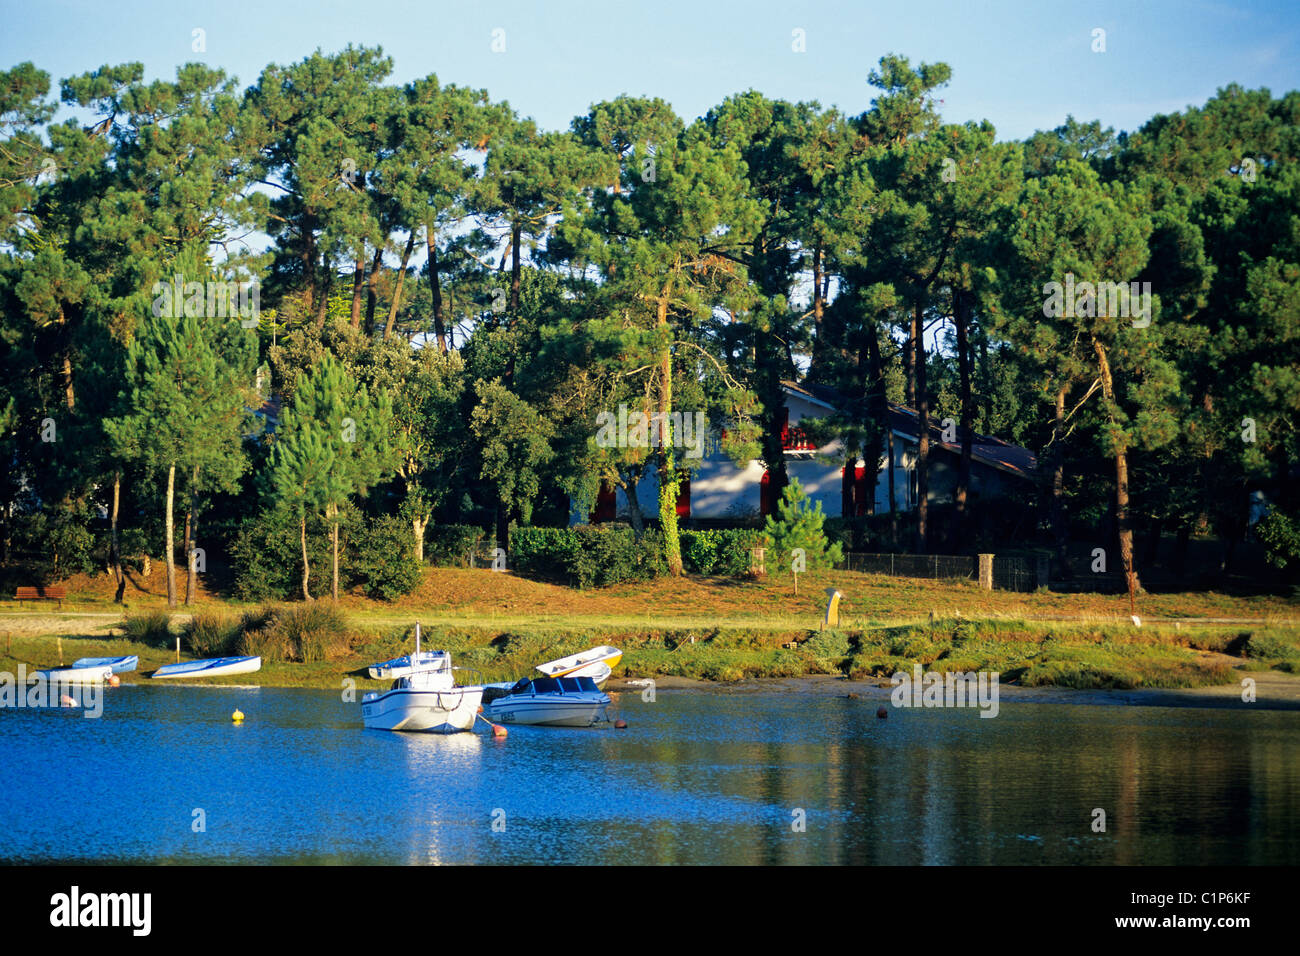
(697, 778)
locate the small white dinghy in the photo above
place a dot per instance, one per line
(213, 667)
(75, 675)
(118, 665)
(403, 666)
(549, 702)
(425, 698)
(596, 663)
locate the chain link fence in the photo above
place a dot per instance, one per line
(1010, 572)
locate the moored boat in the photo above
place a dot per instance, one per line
(402, 666)
(212, 667)
(118, 665)
(75, 675)
(424, 698)
(550, 702)
(593, 663)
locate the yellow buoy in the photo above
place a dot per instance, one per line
(237, 716)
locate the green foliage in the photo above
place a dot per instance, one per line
(588, 556)
(724, 551)
(1279, 532)
(798, 525)
(266, 555)
(384, 559)
(451, 545)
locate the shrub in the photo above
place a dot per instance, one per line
(211, 634)
(267, 556)
(699, 551)
(588, 555)
(1279, 532)
(544, 552)
(450, 545)
(151, 627)
(719, 551)
(384, 564)
(1265, 647)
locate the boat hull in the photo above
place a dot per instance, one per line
(422, 711)
(118, 665)
(218, 667)
(76, 675)
(544, 712)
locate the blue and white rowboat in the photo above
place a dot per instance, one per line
(118, 665)
(214, 667)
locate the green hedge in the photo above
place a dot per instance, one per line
(722, 551)
(587, 556)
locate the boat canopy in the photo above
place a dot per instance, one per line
(555, 685)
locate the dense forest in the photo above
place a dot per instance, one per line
(296, 331)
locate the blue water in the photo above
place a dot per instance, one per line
(696, 778)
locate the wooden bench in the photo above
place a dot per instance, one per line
(55, 593)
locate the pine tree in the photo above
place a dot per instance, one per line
(795, 537)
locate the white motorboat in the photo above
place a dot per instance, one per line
(549, 701)
(596, 663)
(425, 698)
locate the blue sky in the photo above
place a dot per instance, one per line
(1023, 66)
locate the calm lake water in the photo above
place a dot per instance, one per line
(696, 778)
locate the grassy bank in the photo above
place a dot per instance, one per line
(1027, 653)
(720, 629)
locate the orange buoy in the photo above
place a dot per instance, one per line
(114, 680)
(882, 713)
(67, 701)
(620, 725)
(480, 709)
(498, 731)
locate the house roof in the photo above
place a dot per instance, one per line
(986, 449)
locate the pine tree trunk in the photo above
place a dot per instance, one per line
(1125, 532)
(306, 570)
(516, 240)
(334, 535)
(397, 292)
(358, 283)
(848, 485)
(191, 529)
(435, 287)
(116, 543)
(668, 480)
(962, 318)
(372, 294)
(893, 499)
(169, 548)
(1059, 530)
(923, 428)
